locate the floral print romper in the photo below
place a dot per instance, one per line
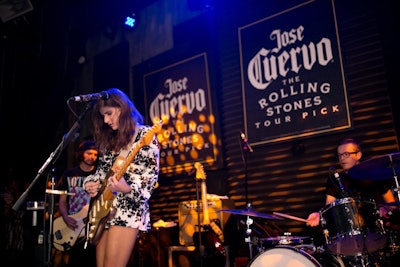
(132, 208)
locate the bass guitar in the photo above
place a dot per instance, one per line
(63, 236)
(100, 206)
(211, 236)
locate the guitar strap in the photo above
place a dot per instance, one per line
(124, 152)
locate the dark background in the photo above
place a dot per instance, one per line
(39, 72)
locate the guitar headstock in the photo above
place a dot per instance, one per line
(148, 136)
(200, 174)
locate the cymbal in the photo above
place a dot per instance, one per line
(252, 213)
(380, 168)
(59, 192)
(396, 203)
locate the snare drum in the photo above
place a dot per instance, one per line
(284, 240)
(351, 226)
(287, 256)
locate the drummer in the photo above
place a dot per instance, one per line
(349, 154)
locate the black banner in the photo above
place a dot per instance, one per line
(180, 95)
(293, 80)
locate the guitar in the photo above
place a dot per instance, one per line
(63, 236)
(211, 235)
(100, 206)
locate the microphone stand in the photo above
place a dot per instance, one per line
(67, 138)
(244, 151)
(342, 190)
(336, 175)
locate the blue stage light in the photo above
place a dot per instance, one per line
(130, 21)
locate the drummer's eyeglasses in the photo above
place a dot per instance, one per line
(346, 154)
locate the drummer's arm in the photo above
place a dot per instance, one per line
(315, 217)
(329, 199)
(388, 197)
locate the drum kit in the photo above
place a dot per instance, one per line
(355, 235)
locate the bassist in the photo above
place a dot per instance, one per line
(73, 210)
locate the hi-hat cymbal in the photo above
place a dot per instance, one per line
(59, 192)
(380, 168)
(252, 213)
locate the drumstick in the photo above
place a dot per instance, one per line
(289, 217)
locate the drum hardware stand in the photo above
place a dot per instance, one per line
(245, 148)
(247, 239)
(361, 261)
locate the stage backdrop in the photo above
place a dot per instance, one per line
(179, 94)
(292, 75)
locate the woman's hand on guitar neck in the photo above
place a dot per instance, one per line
(120, 185)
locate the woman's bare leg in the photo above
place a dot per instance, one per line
(120, 243)
(101, 249)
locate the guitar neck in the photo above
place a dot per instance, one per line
(206, 218)
(125, 162)
(216, 241)
(106, 192)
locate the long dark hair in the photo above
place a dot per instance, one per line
(107, 138)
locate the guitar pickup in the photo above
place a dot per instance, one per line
(58, 235)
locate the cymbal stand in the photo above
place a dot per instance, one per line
(395, 178)
(245, 148)
(49, 240)
(247, 239)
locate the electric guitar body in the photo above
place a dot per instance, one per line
(63, 236)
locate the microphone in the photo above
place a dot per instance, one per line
(337, 176)
(191, 172)
(89, 97)
(246, 144)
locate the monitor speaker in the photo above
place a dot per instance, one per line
(189, 219)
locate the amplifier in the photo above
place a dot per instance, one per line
(188, 217)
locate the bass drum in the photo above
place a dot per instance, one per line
(287, 256)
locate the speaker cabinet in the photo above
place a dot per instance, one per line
(189, 219)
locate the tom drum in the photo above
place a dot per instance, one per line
(351, 227)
